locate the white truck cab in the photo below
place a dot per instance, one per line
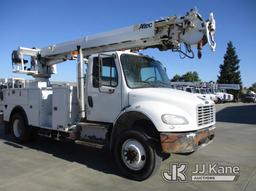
(137, 83)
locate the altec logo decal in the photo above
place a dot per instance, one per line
(145, 26)
(178, 172)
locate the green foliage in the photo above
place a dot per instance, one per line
(229, 70)
(191, 77)
(253, 87)
(187, 77)
(176, 78)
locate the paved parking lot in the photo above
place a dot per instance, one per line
(50, 165)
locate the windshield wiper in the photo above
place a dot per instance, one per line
(163, 84)
(141, 84)
(149, 84)
(155, 83)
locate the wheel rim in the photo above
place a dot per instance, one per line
(133, 154)
(16, 128)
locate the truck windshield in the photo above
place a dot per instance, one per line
(203, 91)
(143, 72)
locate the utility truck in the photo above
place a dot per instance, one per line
(223, 96)
(206, 93)
(123, 101)
(201, 92)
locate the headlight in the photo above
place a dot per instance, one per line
(174, 119)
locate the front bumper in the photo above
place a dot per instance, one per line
(186, 142)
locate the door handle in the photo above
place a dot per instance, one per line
(90, 101)
(108, 90)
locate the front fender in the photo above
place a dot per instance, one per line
(153, 110)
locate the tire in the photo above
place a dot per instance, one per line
(128, 147)
(19, 128)
(7, 130)
(219, 100)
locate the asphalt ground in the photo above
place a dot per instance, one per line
(50, 165)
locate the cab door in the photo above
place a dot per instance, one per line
(103, 89)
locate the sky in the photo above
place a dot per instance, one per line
(39, 23)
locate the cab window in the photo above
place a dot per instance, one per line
(106, 74)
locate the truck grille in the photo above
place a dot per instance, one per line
(205, 115)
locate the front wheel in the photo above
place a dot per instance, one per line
(219, 100)
(136, 155)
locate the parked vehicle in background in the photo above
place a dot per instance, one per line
(250, 97)
(202, 93)
(210, 91)
(223, 96)
(207, 94)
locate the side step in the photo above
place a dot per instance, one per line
(88, 134)
(93, 133)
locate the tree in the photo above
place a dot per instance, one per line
(253, 87)
(191, 77)
(176, 78)
(229, 70)
(187, 77)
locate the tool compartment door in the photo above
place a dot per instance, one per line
(64, 107)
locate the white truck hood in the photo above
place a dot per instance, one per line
(166, 95)
(158, 101)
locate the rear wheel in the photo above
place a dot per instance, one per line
(136, 155)
(20, 129)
